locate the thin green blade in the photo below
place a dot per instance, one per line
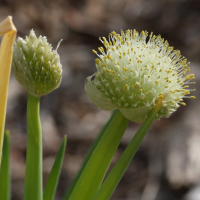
(52, 182)
(112, 180)
(5, 169)
(97, 166)
(71, 187)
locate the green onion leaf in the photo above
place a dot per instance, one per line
(52, 182)
(5, 169)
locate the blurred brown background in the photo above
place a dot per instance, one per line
(167, 165)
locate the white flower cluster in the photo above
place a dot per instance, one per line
(134, 73)
(35, 65)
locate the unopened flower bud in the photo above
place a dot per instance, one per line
(35, 65)
(134, 73)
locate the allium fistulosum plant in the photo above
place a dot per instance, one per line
(142, 78)
(37, 68)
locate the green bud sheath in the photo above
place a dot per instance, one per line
(35, 65)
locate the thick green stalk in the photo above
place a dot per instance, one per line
(5, 169)
(33, 178)
(112, 180)
(97, 166)
(71, 187)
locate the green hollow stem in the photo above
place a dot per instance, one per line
(33, 176)
(93, 146)
(112, 180)
(97, 166)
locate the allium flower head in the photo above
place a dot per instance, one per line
(134, 73)
(35, 65)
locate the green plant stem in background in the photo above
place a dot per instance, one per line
(112, 180)
(33, 177)
(5, 193)
(97, 166)
(52, 182)
(71, 187)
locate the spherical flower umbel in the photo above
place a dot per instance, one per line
(35, 65)
(134, 73)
